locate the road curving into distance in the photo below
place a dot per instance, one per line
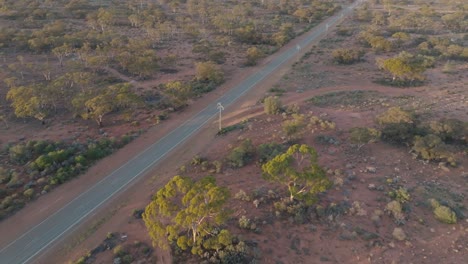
(42, 237)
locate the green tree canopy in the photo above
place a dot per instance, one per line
(26, 102)
(406, 67)
(298, 169)
(209, 72)
(114, 97)
(187, 212)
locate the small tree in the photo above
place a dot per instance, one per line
(347, 56)
(253, 54)
(398, 126)
(395, 115)
(114, 97)
(293, 128)
(178, 92)
(298, 169)
(26, 102)
(431, 147)
(363, 135)
(241, 155)
(272, 105)
(209, 72)
(406, 67)
(187, 212)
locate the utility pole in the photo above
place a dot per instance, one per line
(220, 108)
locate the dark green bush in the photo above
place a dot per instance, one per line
(267, 151)
(241, 155)
(399, 133)
(450, 129)
(19, 153)
(363, 135)
(431, 147)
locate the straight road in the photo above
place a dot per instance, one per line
(42, 236)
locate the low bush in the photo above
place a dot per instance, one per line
(347, 56)
(241, 155)
(395, 209)
(293, 127)
(401, 195)
(450, 130)
(395, 115)
(242, 195)
(299, 211)
(364, 135)
(431, 147)
(443, 213)
(4, 175)
(324, 124)
(228, 129)
(399, 133)
(272, 105)
(244, 222)
(29, 193)
(267, 151)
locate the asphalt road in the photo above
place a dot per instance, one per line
(42, 236)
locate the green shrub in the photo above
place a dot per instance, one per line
(241, 155)
(431, 147)
(293, 128)
(216, 56)
(242, 195)
(253, 54)
(209, 72)
(401, 195)
(197, 160)
(364, 135)
(267, 151)
(228, 129)
(443, 213)
(19, 153)
(450, 129)
(127, 259)
(96, 151)
(292, 109)
(395, 209)
(41, 163)
(395, 115)
(14, 181)
(272, 105)
(218, 166)
(347, 56)
(244, 222)
(6, 202)
(119, 251)
(4, 175)
(29, 193)
(399, 133)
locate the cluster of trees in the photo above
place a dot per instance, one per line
(406, 67)
(69, 48)
(73, 92)
(432, 141)
(347, 56)
(190, 215)
(412, 33)
(36, 167)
